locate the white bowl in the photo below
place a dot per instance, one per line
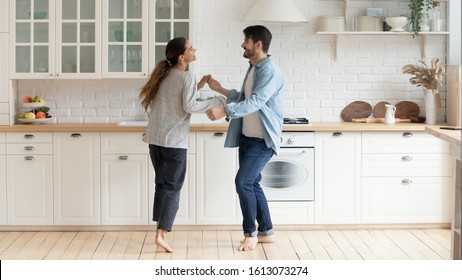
(35, 121)
(33, 104)
(396, 23)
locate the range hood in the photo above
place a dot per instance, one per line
(275, 11)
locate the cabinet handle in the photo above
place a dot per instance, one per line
(337, 134)
(406, 158)
(218, 134)
(123, 157)
(29, 158)
(29, 148)
(406, 181)
(29, 136)
(76, 135)
(408, 134)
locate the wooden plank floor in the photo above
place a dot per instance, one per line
(374, 244)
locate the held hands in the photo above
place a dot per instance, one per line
(216, 113)
(202, 82)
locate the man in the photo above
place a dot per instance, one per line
(255, 114)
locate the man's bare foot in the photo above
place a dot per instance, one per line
(162, 241)
(248, 244)
(266, 238)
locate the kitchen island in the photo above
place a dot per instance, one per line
(453, 137)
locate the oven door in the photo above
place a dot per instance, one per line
(289, 176)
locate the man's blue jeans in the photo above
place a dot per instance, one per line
(253, 157)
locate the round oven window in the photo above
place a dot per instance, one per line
(283, 175)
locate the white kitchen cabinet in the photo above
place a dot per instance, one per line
(76, 178)
(405, 178)
(407, 200)
(124, 189)
(29, 163)
(169, 19)
(4, 81)
(338, 177)
(4, 16)
(186, 214)
(217, 200)
(124, 179)
(55, 39)
(125, 38)
(292, 212)
(2, 180)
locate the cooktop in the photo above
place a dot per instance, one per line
(296, 121)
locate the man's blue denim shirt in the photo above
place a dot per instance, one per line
(266, 98)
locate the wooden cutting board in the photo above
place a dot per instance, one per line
(379, 109)
(356, 110)
(406, 110)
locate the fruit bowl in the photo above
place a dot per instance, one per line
(396, 23)
(34, 121)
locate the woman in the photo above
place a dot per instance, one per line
(169, 97)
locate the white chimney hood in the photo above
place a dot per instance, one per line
(275, 11)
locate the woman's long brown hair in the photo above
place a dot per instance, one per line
(174, 49)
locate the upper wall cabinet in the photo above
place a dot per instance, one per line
(55, 39)
(125, 38)
(4, 18)
(169, 19)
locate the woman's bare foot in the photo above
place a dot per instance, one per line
(248, 244)
(161, 241)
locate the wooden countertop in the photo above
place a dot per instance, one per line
(112, 127)
(451, 136)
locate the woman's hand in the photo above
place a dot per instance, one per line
(202, 82)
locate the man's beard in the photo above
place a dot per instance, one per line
(247, 53)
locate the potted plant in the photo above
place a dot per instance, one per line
(419, 9)
(428, 77)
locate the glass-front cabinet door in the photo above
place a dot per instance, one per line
(171, 19)
(31, 38)
(125, 38)
(78, 31)
(55, 39)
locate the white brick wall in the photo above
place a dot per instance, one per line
(368, 67)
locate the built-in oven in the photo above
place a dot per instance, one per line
(289, 176)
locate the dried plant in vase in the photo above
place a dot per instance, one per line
(428, 76)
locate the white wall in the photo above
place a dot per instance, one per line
(368, 66)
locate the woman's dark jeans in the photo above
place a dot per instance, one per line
(170, 170)
(253, 157)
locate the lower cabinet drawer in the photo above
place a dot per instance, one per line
(29, 149)
(410, 200)
(406, 165)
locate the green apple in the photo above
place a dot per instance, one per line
(29, 115)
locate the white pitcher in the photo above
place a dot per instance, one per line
(390, 114)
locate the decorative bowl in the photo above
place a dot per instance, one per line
(396, 23)
(34, 121)
(119, 35)
(33, 104)
(40, 15)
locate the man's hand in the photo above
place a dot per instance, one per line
(216, 86)
(216, 113)
(202, 82)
